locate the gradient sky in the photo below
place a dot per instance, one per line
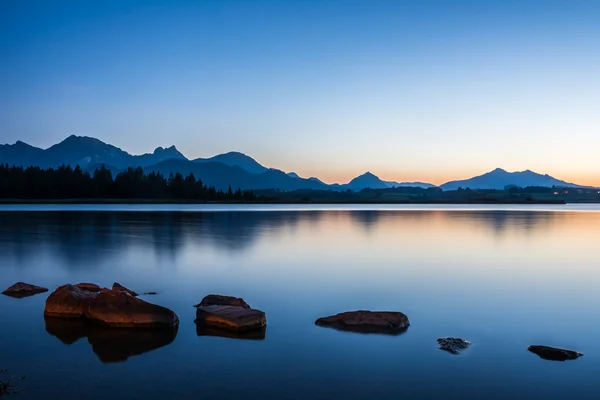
(409, 90)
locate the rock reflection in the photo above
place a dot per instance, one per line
(110, 345)
(254, 334)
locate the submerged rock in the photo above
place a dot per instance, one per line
(553, 353)
(230, 317)
(218, 300)
(67, 301)
(90, 287)
(453, 345)
(150, 293)
(9, 386)
(118, 286)
(362, 321)
(22, 289)
(117, 308)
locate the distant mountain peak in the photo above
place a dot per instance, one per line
(168, 150)
(236, 159)
(499, 178)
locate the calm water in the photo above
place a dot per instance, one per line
(502, 278)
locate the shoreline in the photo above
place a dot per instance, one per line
(267, 202)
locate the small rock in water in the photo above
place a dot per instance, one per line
(219, 300)
(8, 387)
(453, 345)
(362, 321)
(150, 293)
(22, 289)
(230, 317)
(553, 353)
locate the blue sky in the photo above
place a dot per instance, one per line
(409, 90)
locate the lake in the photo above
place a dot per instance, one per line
(502, 277)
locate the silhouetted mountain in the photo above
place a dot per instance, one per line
(222, 176)
(366, 180)
(423, 185)
(236, 159)
(159, 155)
(233, 168)
(498, 179)
(83, 151)
(19, 153)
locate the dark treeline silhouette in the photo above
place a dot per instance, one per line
(66, 182)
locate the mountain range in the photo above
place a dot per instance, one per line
(234, 168)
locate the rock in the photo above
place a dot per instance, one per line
(218, 300)
(116, 308)
(110, 345)
(118, 286)
(554, 354)
(150, 293)
(388, 322)
(90, 287)
(9, 386)
(67, 301)
(22, 289)
(453, 345)
(230, 317)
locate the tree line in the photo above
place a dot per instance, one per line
(66, 182)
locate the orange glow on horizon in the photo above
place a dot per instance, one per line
(436, 178)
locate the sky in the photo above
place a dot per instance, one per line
(409, 90)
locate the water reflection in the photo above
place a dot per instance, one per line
(207, 330)
(80, 237)
(110, 345)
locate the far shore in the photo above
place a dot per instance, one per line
(267, 201)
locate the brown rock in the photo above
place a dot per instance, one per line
(118, 286)
(67, 301)
(230, 317)
(554, 354)
(22, 289)
(218, 300)
(117, 308)
(367, 322)
(90, 287)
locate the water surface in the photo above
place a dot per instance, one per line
(503, 278)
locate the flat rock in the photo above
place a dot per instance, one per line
(453, 345)
(118, 286)
(230, 317)
(362, 321)
(553, 353)
(22, 289)
(90, 287)
(116, 308)
(67, 301)
(218, 300)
